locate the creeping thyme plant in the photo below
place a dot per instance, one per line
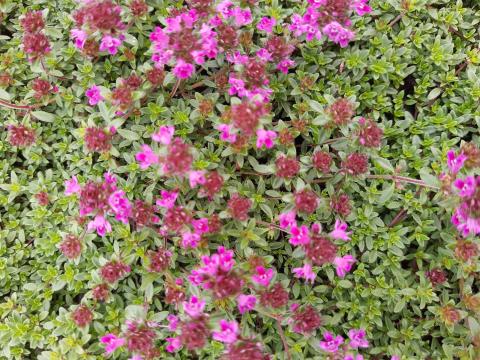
(239, 180)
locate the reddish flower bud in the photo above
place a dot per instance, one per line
(306, 201)
(175, 218)
(341, 205)
(36, 45)
(71, 247)
(239, 207)
(287, 167)
(472, 152)
(194, 333)
(159, 260)
(133, 81)
(245, 350)
(101, 292)
(143, 214)
(307, 320)
(449, 315)
(42, 198)
(275, 297)
(32, 22)
(341, 111)
(436, 276)
(370, 135)
(178, 160)
(322, 161)
(285, 137)
(246, 116)
(82, 316)
(466, 250)
(122, 97)
(20, 136)
(174, 294)
(113, 271)
(140, 340)
(214, 224)
(155, 76)
(97, 139)
(355, 164)
(41, 87)
(213, 184)
(138, 8)
(320, 250)
(5, 79)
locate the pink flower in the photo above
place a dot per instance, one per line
(357, 338)
(305, 272)
(172, 322)
(316, 228)
(100, 224)
(168, 199)
(242, 16)
(353, 357)
(464, 223)
(226, 133)
(190, 240)
(194, 307)
(300, 236)
(79, 36)
(263, 276)
(338, 34)
(183, 70)
(196, 177)
(173, 344)
(344, 264)
(93, 94)
(112, 342)
(266, 24)
(466, 186)
(455, 163)
(246, 303)
(136, 357)
(395, 357)
(331, 344)
(264, 55)
(164, 135)
(265, 137)
(339, 232)
(71, 186)
(110, 44)
(228, 332)
(285, 64)
(361, 7)
(225, 8)
(287, 219)
(120, 205)
(200, 225)
(146, 157)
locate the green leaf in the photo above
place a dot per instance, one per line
(383, 163)
(434, 93)
(43, 116)
(4, 95)
(128, 134)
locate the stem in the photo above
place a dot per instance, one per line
(175, 88)
(403, 179)
(284, 340)
(261, 222)
(334, 140)
(14, 106)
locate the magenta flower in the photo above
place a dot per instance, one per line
(305, 272)
(331, 343)
(353, 357)
(72, 186)
(263, 276)
(228, 332)
(300, 236)
(316, 228)
(357, 338)
(225, 8)
(246, 303)
(339, 231)
(164, 135)
(266, 24)
(146, 157)
(463, 221)
(136, 357)
(110, 44)
(344, 264)
(338, 34)
(395, 357)
(183, 70)
(242, 16)
(120, 205)
(100, 224)
(226, 133)
(455, 163)
(361, 7)
(168, 199)
(93, 94)
(265, 137)
(112, 342)
(172, 322)
(285, 64)
(466, 186)
(287, 219)
(173, 344)
(194, 307)
(79, 36)
(196, 177)
(200, 225)
(190, 240)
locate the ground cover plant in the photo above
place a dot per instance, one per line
(239, 179)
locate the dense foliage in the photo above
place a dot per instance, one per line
(239, 180)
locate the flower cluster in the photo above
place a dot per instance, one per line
(336, 344)
(35, 42)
